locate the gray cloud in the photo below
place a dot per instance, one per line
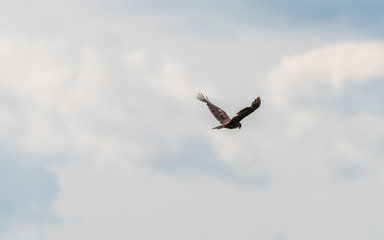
(197, 157)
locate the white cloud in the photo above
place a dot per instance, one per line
(24, 233)
(115, 201)
(172, 81)
(332, 68)
(114, 106)
(319, 75)
(136, 61)
(33, 86)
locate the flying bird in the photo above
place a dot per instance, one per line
(222, 117)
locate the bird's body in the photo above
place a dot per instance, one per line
(222, 117)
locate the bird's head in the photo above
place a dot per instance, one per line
(239, 126)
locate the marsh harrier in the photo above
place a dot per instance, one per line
(222, 117)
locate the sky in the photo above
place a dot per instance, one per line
(102, 137)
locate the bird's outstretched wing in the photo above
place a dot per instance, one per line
(217, 112)
(248, 110)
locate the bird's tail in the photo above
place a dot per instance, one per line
(219, 127)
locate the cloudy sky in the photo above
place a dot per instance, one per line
(101, 136)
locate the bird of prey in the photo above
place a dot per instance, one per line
(222, 117)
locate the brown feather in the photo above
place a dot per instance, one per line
(217, 112)
(248, 110)
(222, 117)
